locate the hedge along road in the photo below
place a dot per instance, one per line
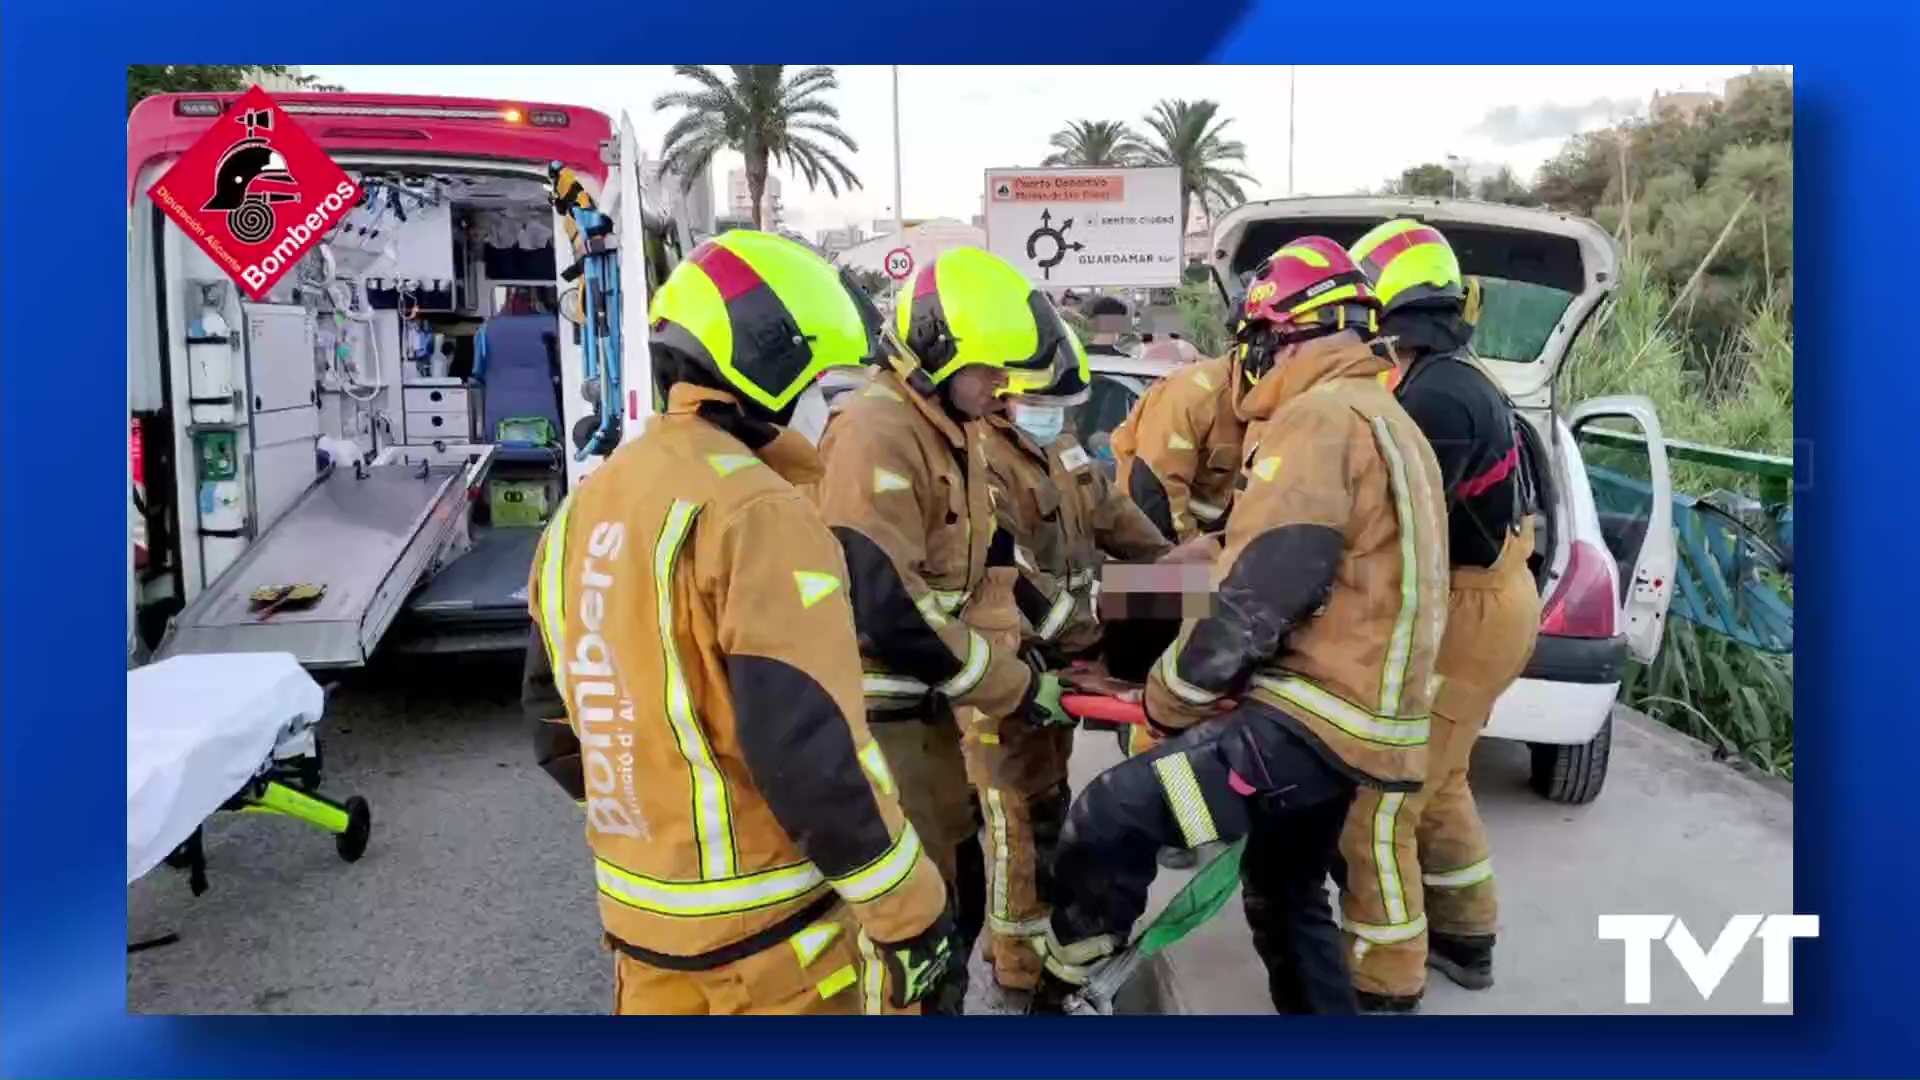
(476, 894)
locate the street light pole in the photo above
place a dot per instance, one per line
(899, 215)
(1291, 71)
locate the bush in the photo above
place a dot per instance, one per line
(1736, 699)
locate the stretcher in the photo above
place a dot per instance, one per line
(225, 731)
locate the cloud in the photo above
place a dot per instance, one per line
(1513, 124)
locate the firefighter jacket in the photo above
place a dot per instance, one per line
(1331, 591)
(1178, 453)
(698, 628)
(907, 493)
(1064, 516)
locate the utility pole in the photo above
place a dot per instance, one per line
(899, 215)
(1292, 69)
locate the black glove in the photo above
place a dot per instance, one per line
(915, 965)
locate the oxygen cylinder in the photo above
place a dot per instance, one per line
(210, 369)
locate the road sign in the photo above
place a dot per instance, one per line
(899, 263)
(1088, 227)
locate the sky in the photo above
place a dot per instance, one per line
(956, 122)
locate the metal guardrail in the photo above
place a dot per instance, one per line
(1735, 567)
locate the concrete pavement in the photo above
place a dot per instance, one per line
(1673, 832)
(475, 895)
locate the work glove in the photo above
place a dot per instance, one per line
(1043, 702)
(914, 966)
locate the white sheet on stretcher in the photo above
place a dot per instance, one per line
(200, 727)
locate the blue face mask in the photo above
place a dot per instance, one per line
(1042, 423)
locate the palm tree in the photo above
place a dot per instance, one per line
(1187, 136)
(765, 116)
(1095, 143)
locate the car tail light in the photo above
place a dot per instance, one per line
(1583, 606)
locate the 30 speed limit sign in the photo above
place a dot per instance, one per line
(899, 263)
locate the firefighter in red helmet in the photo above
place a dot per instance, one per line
(1331, 600)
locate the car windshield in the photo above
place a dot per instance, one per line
(1516, 319)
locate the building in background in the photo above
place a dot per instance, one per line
(691, 204)
(278, 84)
(1740, 84)
(926, 239)
(1681, 104)
(740, 199)
(835, 241)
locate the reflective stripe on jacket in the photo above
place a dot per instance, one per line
(1332, 587)
(1065, 518)
(695, 613)
(1177, 454)
(907, 493)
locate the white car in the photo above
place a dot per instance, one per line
(1607, 578)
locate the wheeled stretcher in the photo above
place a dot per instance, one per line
(225, 731)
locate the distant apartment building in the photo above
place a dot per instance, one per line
(1740, 84)
(1681, 104)
(277, 84)
(740, 199)
(691, 203)
(835, 241)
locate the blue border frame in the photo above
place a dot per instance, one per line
(62, 968)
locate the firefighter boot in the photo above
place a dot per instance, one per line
(1467, 959)
(1387, 1003)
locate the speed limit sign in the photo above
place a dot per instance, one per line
(899, 263)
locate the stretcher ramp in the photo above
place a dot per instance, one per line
(478, 602)
(367, 536)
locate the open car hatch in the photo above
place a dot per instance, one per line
(1542, 274)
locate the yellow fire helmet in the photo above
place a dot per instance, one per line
(1066, 381)
(763, 313)
(1409, 262)
(969, 306)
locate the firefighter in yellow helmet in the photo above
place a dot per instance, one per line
(1419, 886)
(908, 493)
(1177, 454)
(1330, 596)
(1064, 517)
(696, 632)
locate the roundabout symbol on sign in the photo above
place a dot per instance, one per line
(899, 263)
(1055, 238)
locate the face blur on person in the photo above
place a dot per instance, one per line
(972, 389)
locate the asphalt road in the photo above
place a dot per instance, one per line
(475, 895)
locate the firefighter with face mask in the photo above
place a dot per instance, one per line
(1419, 886)
(1329, 606)
(1064, 517)
(908, 493)
(697, 634)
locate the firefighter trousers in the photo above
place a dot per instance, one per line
(923, 753)
(1020, 775)
(826, 967)
(1241, 774)
(1418, 862)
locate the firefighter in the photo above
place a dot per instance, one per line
(1063, 516)
(1177, 454)
(1331, 594)
(1432, 902)
(748, 844)
(907, 492)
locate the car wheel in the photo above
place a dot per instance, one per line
(1573, 774)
